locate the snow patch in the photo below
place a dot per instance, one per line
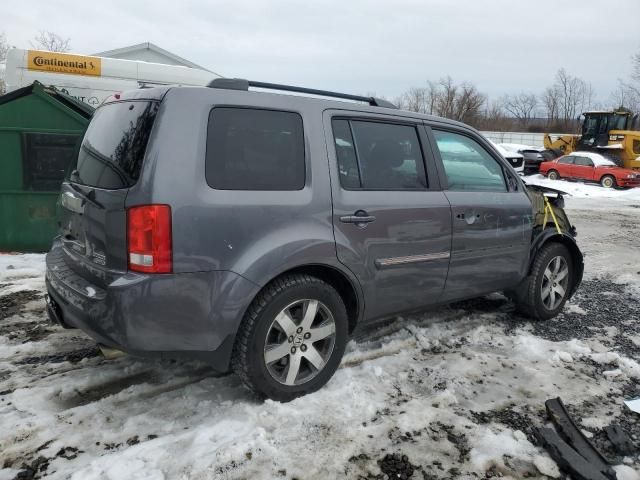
(624, 472)
(546, 466)
(492, 447)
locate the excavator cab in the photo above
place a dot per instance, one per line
(597, 125)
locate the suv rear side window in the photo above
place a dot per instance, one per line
(378, 156)
(113, 147)
(469, 167)
(252, 149)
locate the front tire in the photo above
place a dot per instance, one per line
(553, 175)
(608, 181)
(547, 288)
(292, 338)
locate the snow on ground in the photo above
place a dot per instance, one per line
(585, 189)
(456, 390)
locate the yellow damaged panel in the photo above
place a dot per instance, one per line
(64, 63)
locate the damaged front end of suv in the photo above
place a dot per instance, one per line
(551, 223)
(551, 227)
(548, 210)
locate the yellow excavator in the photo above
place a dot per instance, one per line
(614, 134)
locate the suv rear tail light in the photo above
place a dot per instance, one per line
(149, 238)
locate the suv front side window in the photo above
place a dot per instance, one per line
(468, 166)
(378, 155)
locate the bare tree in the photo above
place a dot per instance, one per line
(571, 93)
(494, 110)
(522, 106)
(551, 101)
(50, 41)
(4, 48)
(627, 94)
(415, 100)
(432, 96)
(636, 67)
(468, 104)
(445, 98)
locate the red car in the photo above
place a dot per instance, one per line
(591, 167)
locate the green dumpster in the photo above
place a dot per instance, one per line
(40, 130)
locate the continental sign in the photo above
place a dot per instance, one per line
(64, 63)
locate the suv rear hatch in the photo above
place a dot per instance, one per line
(93, 220)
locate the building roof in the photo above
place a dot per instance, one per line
(39, 89)
(154, 48)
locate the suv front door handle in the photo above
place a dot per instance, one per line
(469, 217)
(360, 218)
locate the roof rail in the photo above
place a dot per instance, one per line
(242, 84)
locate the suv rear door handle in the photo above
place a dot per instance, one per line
(360, 218)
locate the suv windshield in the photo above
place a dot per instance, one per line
(113, 147)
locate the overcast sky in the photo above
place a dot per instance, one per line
(360, 46)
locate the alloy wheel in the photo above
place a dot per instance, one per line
(555, 282)
(299, 342)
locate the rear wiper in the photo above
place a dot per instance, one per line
(91, 196)
(75, 173)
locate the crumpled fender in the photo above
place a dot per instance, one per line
(550, 234)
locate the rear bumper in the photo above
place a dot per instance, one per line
(532, 165)
(193, 315)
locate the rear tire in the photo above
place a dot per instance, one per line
(547, 288)
(291, 339)
(553, 175)
(608, 181)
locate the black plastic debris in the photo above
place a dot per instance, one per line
(567, 458)
(570, 449)
(567, 428)
(620, 440)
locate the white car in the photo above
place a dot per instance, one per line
(533, 156)
(515, 159)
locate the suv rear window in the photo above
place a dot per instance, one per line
(253, 149)
(113, 147)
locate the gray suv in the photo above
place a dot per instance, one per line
(257, 230)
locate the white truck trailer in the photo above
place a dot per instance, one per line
(94, 79)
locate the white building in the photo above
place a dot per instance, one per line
(149, 52)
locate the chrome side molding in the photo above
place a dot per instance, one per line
(389, 262)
